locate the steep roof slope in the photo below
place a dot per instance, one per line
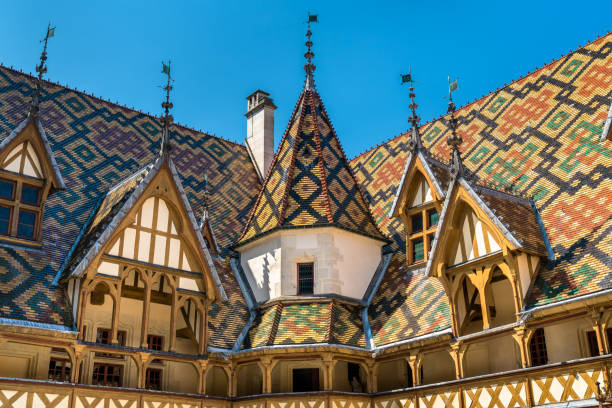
(538, 136)
(97, 144)
(309, 182)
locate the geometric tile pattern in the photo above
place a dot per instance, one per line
(407, 304)
(309, 182)
(329, 321)
(537, 137)
(97, 144)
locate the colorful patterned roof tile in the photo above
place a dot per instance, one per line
(309, 182)
(407, 304)
(227, 318)
(540, 137)
(96, 145)
(327, 321)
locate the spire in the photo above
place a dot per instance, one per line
(309, 55)
(415, 137)
(167, 119)
(41, 68)
(454, 140)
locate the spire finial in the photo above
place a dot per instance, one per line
(167, 119)
(454, 140)
(41, 68)
(309, 55)
(415, 137)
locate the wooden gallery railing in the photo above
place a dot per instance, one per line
(555, 383)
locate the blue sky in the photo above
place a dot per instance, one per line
(223, 50)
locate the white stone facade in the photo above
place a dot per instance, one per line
(344, 262)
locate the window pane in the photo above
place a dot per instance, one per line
(30, 194)
(305, 279)
(418, 250)
(7, 189)
(5, 220)
(417, 223)
(25, 224)
(432, 217)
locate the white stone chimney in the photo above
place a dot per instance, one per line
(260, 130)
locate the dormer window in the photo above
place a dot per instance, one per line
(28, 174)
(422, 215)
(20, 207)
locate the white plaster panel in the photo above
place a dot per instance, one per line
(344, 262)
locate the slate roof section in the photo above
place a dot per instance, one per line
(407, 304)
(540, 137)
(309, 183)
(97, 144)
(324, 321)
(229, 317)
(518, 215)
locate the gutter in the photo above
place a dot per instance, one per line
(562, 303)
(414, 340)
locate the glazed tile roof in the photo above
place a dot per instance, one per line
(323, 321)
(538, 136)
(227, 318)
(309, 182)
(407, 304)
(96, 145)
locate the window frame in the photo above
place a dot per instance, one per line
(106, 366)
(65, 372)
(148, 377)
(426, 233)
(537, 348)
(16, 205)
(299, 279)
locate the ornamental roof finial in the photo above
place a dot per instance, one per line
(309, 55)
(454, 140)
(41, 68)
(415, 137)
(167, 118)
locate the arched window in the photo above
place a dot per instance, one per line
(537, 348)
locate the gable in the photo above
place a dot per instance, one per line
(473, 238)
(154, 237)
(26, 151)
(419, 185)
(23, 160)
(152, 226)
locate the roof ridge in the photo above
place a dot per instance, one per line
(275, 322)
(281, 215)
(116, 104)
(321, 164)
(494, 91)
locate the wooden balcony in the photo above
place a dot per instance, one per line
(552, 384)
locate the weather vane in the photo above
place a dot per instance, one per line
(167, 105)
(309, 55)
(41, 68)
(454, 140)
(415, 138)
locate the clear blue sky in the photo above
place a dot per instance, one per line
(223, 50)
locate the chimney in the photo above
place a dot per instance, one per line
(260, 130)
